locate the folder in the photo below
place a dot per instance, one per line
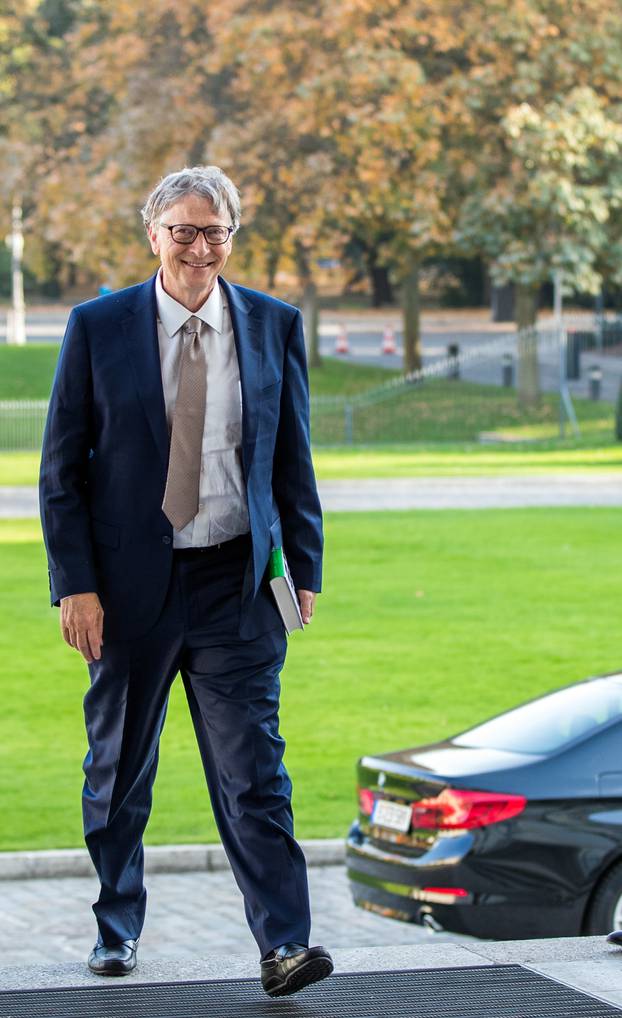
(284, 591)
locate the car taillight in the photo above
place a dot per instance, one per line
(454, 808)
(366, 801)
(443, 895)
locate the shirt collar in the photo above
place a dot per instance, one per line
(174, 315)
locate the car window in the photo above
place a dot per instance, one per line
(547, 724)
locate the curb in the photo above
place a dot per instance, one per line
(76, 862)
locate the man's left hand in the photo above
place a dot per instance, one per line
(307, 604)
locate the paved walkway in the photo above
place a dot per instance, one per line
(587, 963)
(600, 488)
(189, 915)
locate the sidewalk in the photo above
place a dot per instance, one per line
(600, 488)
(189, 916)
(195, 929)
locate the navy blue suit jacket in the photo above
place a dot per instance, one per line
(105, 455)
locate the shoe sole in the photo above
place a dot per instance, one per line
(311, 971)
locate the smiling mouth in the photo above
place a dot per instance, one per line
(197, 265)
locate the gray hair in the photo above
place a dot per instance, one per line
(208, 181)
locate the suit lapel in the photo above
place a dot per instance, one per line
(247, 338)
(141, 336)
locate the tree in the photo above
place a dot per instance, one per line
(334, 127)
(545, 207)
(518, 177)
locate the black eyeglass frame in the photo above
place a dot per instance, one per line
(200, 229)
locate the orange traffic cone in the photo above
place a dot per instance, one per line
(388, 340)
(341, 344)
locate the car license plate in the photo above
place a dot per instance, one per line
(392, 815)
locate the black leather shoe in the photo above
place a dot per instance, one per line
(615, 938)
(116, 960)
(290, 967)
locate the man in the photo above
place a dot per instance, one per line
(176, 456)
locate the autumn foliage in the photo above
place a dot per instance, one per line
(401, 128)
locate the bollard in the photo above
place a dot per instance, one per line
(453, 352)
(507, 370)
(595, 377)
(573, 356)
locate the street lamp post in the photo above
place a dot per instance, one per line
(16, 317)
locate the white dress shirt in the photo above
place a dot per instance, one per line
(223, 508)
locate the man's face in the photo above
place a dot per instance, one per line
(189, 271)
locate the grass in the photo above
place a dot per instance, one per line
(423, 430)
(26, 372)
(462, 460)
(421, 460)
(442, 410)
(343, 378)
(429, 621)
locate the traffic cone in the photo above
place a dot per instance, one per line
(388, 340)
(341, 344)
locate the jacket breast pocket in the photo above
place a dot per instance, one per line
(105, 533)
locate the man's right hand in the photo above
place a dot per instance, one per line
(82, 624)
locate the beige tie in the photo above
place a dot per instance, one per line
(181, 495)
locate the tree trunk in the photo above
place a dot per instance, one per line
(310, 307)
(311, 318)
(272, 263)
(528, 381)
(411, 316)
(381, 289)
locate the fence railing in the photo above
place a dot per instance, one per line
(21, 423)
(464, 396)
(472, 396)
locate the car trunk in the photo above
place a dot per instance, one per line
(407, 777)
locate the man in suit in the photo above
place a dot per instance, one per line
(176, 455)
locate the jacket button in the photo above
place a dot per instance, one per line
(166, 539)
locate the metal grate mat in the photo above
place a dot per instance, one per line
(502, 991)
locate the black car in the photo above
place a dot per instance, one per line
(510, 830)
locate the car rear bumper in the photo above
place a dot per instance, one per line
(394, 885)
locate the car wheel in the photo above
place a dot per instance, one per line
(605, 909)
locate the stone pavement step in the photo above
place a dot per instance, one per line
(588, 964)
(597, 488)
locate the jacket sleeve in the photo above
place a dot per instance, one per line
(293, 478)
(67, 442)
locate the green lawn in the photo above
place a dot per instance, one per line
(426, 430)
(22, 468)
(467, 459)
(444, 410)
(27, 372)
(428, 622)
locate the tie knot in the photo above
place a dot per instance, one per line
(193, 325)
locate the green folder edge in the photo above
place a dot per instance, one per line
(276, 565)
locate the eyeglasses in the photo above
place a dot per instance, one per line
(183, 233)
